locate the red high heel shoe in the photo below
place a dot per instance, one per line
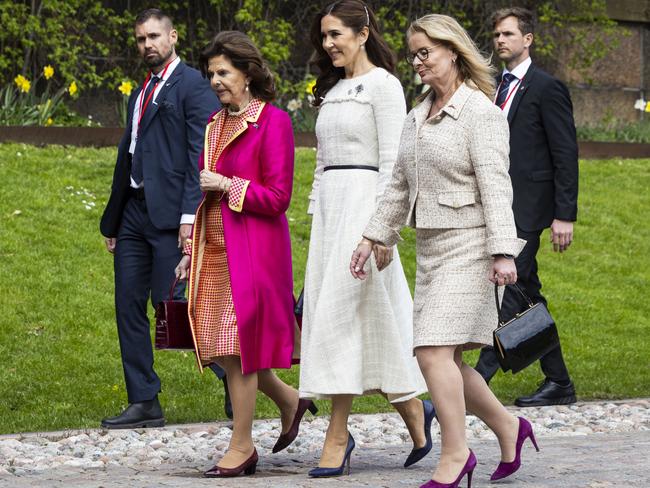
(506, 469)
(468, 470)
(248, 467)
(285, 439)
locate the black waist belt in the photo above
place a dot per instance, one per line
(137, 193)
(352, 166)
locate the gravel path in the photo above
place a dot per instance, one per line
(93, 454)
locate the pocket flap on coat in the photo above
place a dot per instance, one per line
(456, 199)
(542, 175)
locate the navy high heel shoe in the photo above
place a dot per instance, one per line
(417, 454)
(345, 465)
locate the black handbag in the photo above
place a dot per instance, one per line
(527, 337)
(173, 324)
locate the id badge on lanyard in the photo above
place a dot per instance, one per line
(145, 103)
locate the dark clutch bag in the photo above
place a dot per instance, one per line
(173, 324)
(527, 337)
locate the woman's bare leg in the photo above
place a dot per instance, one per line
(485, 405)
(336, 439)
(283, 395)
(243, 389)
(412, 412)
(445, 384)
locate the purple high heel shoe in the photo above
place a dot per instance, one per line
(468, 469)
(506, 469)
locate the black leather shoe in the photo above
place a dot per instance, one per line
(227, 405)
(549, 393)
(137, 415)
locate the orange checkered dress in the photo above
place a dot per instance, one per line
(214, 313)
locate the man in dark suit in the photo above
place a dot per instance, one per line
(154, 195)
(544, 173)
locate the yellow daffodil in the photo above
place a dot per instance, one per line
(309, 87)
(72, 89)
(22, 83)
(126, 87)
(48, 72)
(49, 121)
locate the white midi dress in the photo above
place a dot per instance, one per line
(357, 336)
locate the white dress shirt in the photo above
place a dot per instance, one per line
(185, 218)
(519, 72)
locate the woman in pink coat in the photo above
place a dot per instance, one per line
(239, 260)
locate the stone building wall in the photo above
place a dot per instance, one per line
(607, 92)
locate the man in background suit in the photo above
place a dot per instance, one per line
(544, 173)
(154, 195)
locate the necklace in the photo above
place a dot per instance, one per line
(240, 111)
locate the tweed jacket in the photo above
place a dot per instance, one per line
(451, 172)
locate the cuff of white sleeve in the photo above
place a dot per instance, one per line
(310, 208)
(187, 219)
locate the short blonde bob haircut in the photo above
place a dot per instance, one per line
(474, 68)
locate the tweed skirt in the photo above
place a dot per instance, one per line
(454, 301)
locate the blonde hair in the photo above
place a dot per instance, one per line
(474, 68)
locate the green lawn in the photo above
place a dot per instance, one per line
(59, 354)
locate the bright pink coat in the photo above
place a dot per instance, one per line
(258, 245)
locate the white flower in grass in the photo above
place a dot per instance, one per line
(293, 105)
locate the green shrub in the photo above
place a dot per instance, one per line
(616, 132)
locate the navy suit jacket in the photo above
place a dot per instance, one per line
(170, 140)
(543, 152)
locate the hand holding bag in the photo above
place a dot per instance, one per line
(527, 337)
(173, 324)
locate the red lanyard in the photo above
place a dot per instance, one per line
(145, 103)
(503, 105)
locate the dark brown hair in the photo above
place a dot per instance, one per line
(153, 13)
(356, 15)
(524, 18)
(244, 55)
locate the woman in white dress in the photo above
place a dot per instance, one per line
(357, 337)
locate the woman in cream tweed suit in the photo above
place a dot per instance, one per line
(451, 183)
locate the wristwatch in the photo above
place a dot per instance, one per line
(507, 256)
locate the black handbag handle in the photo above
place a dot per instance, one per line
(496, 300)
(171, 290)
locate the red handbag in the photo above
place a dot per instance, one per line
(173, 324)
